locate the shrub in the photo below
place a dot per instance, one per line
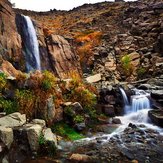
(86, 41)
(126, 65)
(141, 72)
(8, 106)
(3, 81)
(26, 101)
(78, 119)
(49, 81)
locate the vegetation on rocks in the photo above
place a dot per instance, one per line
(66, 131)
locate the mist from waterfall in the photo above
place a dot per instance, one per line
(31, 46)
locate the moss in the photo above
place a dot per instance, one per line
(66, 131)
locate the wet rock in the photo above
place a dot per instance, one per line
(80, 126)
(116, 121)
(109, 110)
(156, 116)
(13, 120)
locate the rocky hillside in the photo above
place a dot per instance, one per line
(121, 41)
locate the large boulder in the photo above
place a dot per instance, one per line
(13, 120)
(33, 134)
(61, 56)
(49, 136)
(6, 136)
(156, 116)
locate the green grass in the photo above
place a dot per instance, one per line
(66, 131)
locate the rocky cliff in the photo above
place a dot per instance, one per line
(10, 41)
(55, 51)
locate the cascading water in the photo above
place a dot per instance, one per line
(139, 101)
(29, 42)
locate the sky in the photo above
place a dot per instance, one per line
(46, 5)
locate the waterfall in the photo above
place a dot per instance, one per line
(124, 96)
(30, 44)
(139, 101)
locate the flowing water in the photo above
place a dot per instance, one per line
(136, 112)
(31, 46)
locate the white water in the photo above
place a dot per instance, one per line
(31, 47)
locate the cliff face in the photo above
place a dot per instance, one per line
(10, 41)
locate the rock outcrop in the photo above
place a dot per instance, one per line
(10, 40)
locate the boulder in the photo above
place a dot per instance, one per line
(157, 94)
(108, 110)
(116, 121)
(60, 52)
(40, 122)
(6, 136)
(33, 134)
(13, 120)
(93, 78)
(7, 68)
(156, 116)
(79, 158)
(49, 136)
(80, 126)
(76, 106)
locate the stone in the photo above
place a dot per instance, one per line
(94, 78)
(13, 120)
(40, 122)
(80, 126)
(157, 94)
(7, 68)
(116, 121)
(156, 116)
(76, 106)
(79, 158)
(33, 134)
(109, 110)
(49, 136)
(60, 52)
(6, 136)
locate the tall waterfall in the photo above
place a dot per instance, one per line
(30, 44)
(139, 101)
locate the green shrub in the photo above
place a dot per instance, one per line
(8, 106)
(78, 119)
(3, 81)
(26, 101)
(49, 80)
(141, 72)
(126, 65)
